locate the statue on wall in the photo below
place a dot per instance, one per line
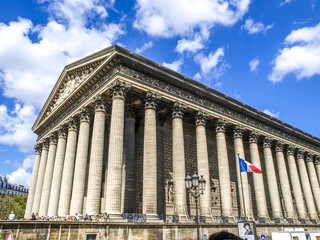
(214, 193)
(170, 192)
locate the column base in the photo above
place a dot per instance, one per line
(116, 217)
(153, 218)
(302, 220)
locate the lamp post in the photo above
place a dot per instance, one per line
(196, 187)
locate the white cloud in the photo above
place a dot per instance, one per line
(175, 66)
(236, 94)
(218, 84)
(195, 44)
(212, 64)
(15, 127)
(254, 64)
(144, 47)
(275, 115)
(300, 57)
(197, 77)
(21, 176)
(285, 2)
(169, 18)
(30, 69)
(257, 27)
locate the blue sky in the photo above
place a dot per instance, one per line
(263, 53)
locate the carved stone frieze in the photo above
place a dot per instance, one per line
(178, 110)
(201, 118)
(254, 137)
(267, 142)
(279, 146)
(62, 131)
(99, 103)
(238, 131)
(151, 100)
(119, 89)
(221, 125)
(37, 148)
(290, 150)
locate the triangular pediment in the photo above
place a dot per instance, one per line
(71, 79)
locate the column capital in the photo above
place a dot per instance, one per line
(178, 110)
(300, 153)
(201, 118)
(267, 142)
(37, 148)
(85, 114)
(279, 146)
(62, 131)
(53, 138)
(317, 160)
(308, 157)
(290, 150)
(253, 137)
(238, 131)
(45, 144)
(72, 124)
(221, 125)
(99, 103)
(119, 89)
(151, 100)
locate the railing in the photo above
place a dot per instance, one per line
(135, 217)
(169, 218)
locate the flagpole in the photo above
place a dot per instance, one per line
(243, 199)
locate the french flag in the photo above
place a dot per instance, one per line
(248, 167)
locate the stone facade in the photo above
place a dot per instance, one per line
(133, 130)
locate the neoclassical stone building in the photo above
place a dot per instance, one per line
(119, 133)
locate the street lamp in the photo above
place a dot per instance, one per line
(196, 187)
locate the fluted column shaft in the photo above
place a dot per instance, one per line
(272, 179)
(57, 172)
(223, 166)
(80, 169)
(284, 182)
(317, 166)
(178, 159)
(39, 184)
(96, 157)
(260, 194)
(115, 153)
(46, 188)
(306, 186)
(245, 203)
(203, 162)
(129, 196)
(68, 169)
(149, 201)
(313, 180)
(295, 181)
(33, 181)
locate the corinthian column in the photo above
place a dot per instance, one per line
(203, 162)
(33, 181)
(115, 153)
(317, 166)
(178, 160)
(96, 156)
(296, 186)
(68, 168)
(257, 178)
(284, 181)
(243, 189)
(306, 186)
(79, 179)
(272, 179)
(313, 180)
(149, 201)
(57, 172)
(46, 188)
(42, 168)
(223, 164)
